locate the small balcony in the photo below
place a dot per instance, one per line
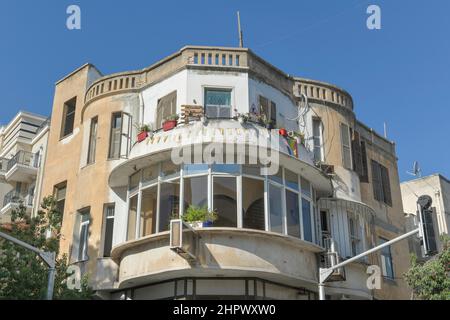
(22, 167)
(14, 199)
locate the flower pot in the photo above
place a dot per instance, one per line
(142, 136)
(196, 224)
(169, 125)
(207, 224)
(283, 132)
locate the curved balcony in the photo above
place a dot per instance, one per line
(227, 136)
(221, 252)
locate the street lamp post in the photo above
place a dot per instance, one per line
(48, 257)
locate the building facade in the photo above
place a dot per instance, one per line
(438, 188)
(23, 144)
(335, 192)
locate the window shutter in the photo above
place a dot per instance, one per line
(356, 153)
(125, 135)
(273, 113)
(376, 181)
(264, 107)
(167, 106)
(364, 170)
(386, 185)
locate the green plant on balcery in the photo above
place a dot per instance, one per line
(172, 117)
(199, 214)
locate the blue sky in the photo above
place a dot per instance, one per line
(399, 74)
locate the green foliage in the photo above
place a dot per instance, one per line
(172, 117)
(194, 214)
(431, 280)
(23, 275)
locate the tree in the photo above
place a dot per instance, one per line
(23, 275)
(431, 280)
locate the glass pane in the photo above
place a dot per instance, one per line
(306, 187)
(109, 228)
(82, 249)
(253, 170)
(224, 201)
(134, 180)
(291, 179)
(150, 173)
(169, 204)
(148, 211)
(275, 205)
(278, 177)
(196, 192)
(292, 214)
(169, 169)
(253, 204)
(190, 169)
(131, 231)
(217, 97)
(226, 168)
(307, 226)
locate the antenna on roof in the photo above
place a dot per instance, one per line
(385, 129)
(241, 34)
(417, 172)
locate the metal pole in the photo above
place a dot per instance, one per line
(48, 257)
(51, 279)
(325, 273)
(241, 40)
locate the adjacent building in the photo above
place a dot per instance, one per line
(438, 188)
(336, 193)
(23, 145)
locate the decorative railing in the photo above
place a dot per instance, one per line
(14, 197)
(24, 158)
(323, 92)
(115, 84)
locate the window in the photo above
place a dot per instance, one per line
(132, 212)
(218, 103)
(293, 214)
(83, 244)
(253, 204)
(276, 209)
(357, 153)
(196, 192)
(364, 170)
(268, 109)
(148, 211)
(355, 240)
(167, 106)
(307, 223)
(387, 266)
(169, 204)
(60, 196)
(224, 201)
(325, 227)
(317, 140)
(381, 183)
(68, 117)
(109, 228)
(116, 129)
(92, 141)
(346, 148)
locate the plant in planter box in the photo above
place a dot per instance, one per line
(199, 217)
(144, 131)
(170, 122)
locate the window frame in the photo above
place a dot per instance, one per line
(105, 225)
(344, 146)
(113, 157)
(229, 90)
(92, 143)
(83, 251)
(387, 274)
(66, 113)
(320, 137)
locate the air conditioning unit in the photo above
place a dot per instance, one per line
(330, 258)
(183, 240)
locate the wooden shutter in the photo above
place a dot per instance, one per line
(264, 107)
(273, 113)
(364, 170)
(386, 185)
(125, 137)
(356, 153)
(377, 182)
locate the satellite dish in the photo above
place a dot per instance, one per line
(416, 170)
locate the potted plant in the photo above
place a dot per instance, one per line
(143, 132)
(199, 217)
(170, 122)
(283, 132)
